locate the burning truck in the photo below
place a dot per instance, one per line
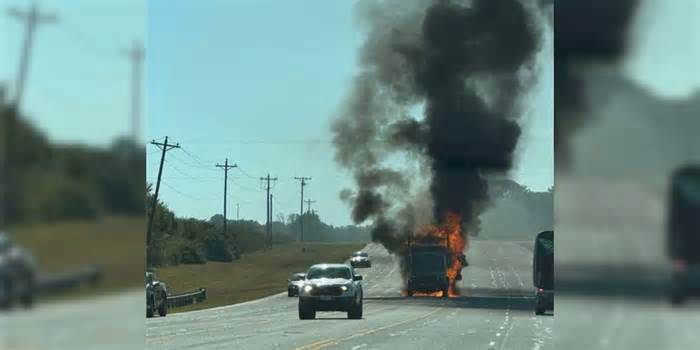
(432, 261)
(442, 85)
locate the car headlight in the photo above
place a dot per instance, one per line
(344, 288)
(308, 288)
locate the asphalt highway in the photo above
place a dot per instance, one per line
(494, 312)
(107, 322)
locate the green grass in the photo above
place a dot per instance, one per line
(255, 275)
(116, 243)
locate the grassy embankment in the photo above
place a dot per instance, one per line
(255, 275)
(115, 243)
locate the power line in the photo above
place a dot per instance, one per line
(197, 159)
(87, 42)
(192, 165)
(187, 195)
(200, 179)
(245, 173)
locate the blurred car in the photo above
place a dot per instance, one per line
(17, 274)
(684, 233)
(295, 283)
(331, 287)
(360, 259)
(156, 296)
(543, 272)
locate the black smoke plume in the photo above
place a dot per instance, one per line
(584, 31)
(466, 65)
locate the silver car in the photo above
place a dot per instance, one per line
(331, 287)
(360, 259)
(295, 283)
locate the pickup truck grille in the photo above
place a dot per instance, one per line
(327, 290)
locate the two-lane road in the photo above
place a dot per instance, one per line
(496, 312)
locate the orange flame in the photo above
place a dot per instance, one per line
(449, 234)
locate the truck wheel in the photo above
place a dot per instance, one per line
(163, 309)
(305, 312)
(27, 299)
(409, 293)
(355, 312)
(446, 292)
(539, 311)
(677, 299)
(5, 296)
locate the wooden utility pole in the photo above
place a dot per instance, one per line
(268, 227)
(301, 206)
(165, 147)
(308, 205)
(31, 18)
(226, 167)
(136, 55)
(270, 220)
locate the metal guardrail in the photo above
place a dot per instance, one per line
(55, 283)
(184, 299)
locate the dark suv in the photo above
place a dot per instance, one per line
(684, 232)
(331, 287)
(543, 272)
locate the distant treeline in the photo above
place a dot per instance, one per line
(516, 212)
(193, 241)
(46, 182)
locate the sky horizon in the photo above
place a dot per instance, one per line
(279, 81)
(259, 83)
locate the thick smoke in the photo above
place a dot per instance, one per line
(466, 65)
(585, 31)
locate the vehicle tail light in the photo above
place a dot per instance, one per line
(678, 265)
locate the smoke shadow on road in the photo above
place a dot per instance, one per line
(495, 302)
(634, 281)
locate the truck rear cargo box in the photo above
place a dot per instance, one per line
(543, 261)
(684, 215)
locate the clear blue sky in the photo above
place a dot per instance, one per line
(259, 82)
(79, 81)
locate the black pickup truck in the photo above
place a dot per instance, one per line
(543, 272)
(683, 228)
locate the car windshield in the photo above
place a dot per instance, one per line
(360, 254)
(328, 272)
